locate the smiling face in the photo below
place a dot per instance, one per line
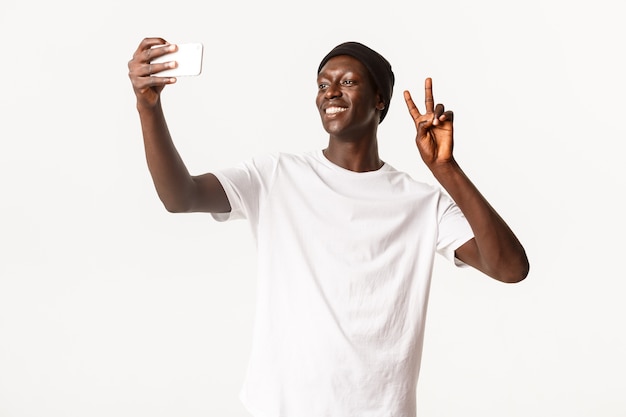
(347, 100)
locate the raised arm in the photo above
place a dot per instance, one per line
(178, 190)
(495, 250)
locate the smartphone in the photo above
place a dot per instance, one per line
(189, 59)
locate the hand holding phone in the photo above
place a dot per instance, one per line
(188, 57)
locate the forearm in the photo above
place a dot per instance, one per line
(499, 252)
(172, 180)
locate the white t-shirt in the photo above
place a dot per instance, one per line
(344, 268)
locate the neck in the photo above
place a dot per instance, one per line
(354, 156)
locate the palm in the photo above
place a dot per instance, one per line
(149, 94)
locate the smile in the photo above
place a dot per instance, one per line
(335, 110)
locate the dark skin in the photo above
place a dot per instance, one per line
(494, 250)
(350, 108)
(179, 191)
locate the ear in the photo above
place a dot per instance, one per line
(380, 105)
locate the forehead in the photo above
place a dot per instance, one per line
(343, 64)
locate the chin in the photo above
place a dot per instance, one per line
(333, 126)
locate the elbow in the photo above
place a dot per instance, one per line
(175, 201)
(173, 209)
(513, 278)
(175, 206)
(515, 272)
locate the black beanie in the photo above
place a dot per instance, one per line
(378, 67)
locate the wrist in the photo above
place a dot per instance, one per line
(145, 107)
(445, 169)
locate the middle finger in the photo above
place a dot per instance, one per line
(428, 93)
(157, 51)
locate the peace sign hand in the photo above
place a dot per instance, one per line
(434, 137)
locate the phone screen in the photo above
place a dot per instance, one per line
(189, 59)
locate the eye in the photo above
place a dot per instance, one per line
(348, 82)
(322, 86)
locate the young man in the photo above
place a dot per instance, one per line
(346, 243)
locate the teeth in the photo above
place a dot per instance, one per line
(334, 110)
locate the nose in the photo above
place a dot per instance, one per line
(332, 91)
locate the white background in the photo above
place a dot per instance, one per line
(110, 306)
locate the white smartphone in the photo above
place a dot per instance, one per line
(189, 59)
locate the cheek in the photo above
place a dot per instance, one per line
(319, 99)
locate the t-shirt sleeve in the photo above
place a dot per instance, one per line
(245, 185)
(454, 230)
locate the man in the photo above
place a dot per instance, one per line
(346, 243)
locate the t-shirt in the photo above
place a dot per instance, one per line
(344, 269)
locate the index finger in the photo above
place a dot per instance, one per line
(428, 93)
(147, 43)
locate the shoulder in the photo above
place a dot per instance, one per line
(286, 160)
(281, 157)
(406, 182)
(269, 165)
